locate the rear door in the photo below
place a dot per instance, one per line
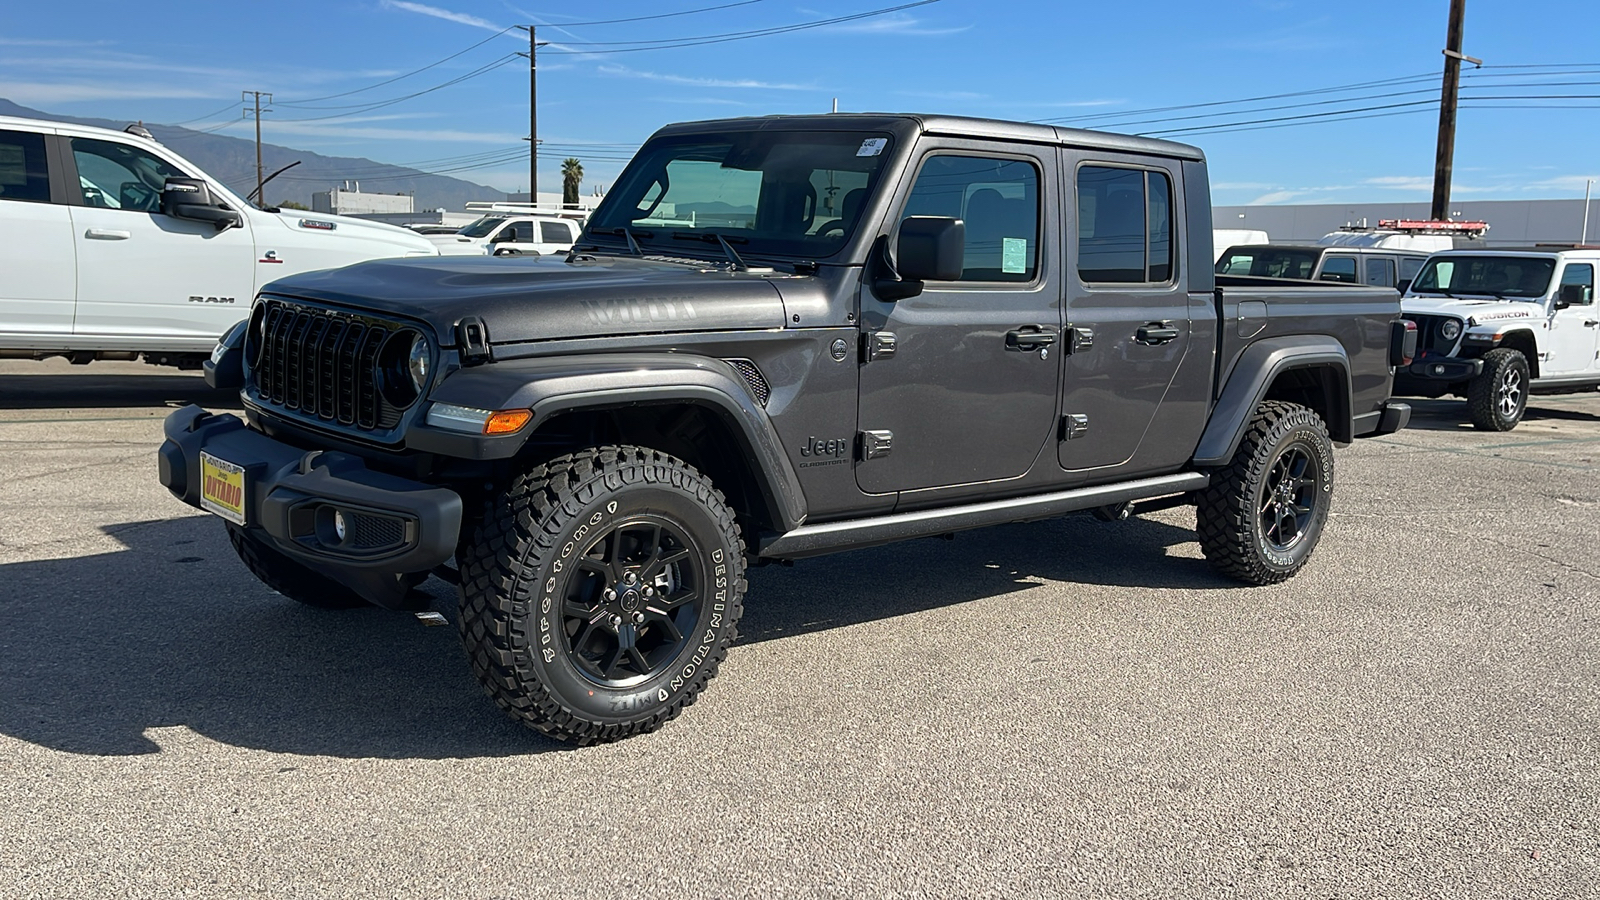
(556, 235)
(960, 382)
(1379, 271)
(143, 274)
(38, 276)
(1574, 334)
(1127, 305)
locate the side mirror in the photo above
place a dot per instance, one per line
(932, 248)
(190, 198)
(1403, 286)
(1572, 295)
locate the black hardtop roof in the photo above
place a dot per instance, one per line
(956, 126)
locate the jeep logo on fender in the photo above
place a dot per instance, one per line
(831, 450)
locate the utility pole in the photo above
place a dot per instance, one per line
(1444, 159)
(260, 180)
(533, 112)
(1588, 185)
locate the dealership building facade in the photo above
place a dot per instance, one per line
(1512, 223)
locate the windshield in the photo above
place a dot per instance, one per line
(1268, 262)
(1517, 277)
(783, 193)
(482, 227)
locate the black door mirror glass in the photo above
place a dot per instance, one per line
(190, 198)
(1571, 295)
(931, 248)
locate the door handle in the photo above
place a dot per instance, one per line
(1156, 333)
(1029, 337)
(1590, 323)
(106, 234)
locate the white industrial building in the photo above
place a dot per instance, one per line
(1512, 223)
(349, 200)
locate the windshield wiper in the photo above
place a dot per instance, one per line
(734, 260)
(625, 232)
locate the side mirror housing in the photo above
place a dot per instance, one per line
(1403, 286)
(1571, 295)
(190, 198)
(932, 248)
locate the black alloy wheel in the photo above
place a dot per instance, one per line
(636, 595)
(1289, 497)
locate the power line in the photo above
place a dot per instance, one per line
(687, 12)
(675, 43)
(380, 104)
(402, 77)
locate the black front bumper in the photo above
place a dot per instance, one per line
(1445, 368)
(392, 525)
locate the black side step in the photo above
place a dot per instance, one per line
(815, 540)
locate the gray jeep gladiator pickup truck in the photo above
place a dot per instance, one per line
(777, 338)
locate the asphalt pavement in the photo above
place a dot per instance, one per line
(1063, 709)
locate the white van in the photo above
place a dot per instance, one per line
(112, 247)
(509, 234)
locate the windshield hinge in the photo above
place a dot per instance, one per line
(472, 337)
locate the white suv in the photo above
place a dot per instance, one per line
(113, 246)
(507, 234)
(1497, 325)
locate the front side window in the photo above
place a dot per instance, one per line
(555, 232)
(769, 192)
(23, 171)
(1583, 274)
(120, 176)
(998, 199)
(1341, 269)
(1380, 271)
(1507, 277)
(1124, 226)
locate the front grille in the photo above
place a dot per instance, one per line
(1429, 340)
(369, 532)
(321, 364)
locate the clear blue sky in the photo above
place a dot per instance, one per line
(1017, 59)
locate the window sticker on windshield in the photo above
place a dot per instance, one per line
(1013, 255)
(872, 146)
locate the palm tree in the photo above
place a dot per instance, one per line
(571, 177)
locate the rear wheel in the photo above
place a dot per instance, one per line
(1497, 398)
(600, 592)
(1262, 516)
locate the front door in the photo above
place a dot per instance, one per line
(37, 279)
(142, 273)
(1574, 332)
(967, 390)
(1128, 307)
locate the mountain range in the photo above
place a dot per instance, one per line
(233, 162)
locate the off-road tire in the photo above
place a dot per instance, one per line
(1230, 512)
(1498, 397)
(288, 577)
(532, 550)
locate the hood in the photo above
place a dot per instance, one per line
(1483, 309)
(541, 298)
(301, 220)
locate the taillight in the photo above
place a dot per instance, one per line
(1402, 343)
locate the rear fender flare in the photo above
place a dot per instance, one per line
(551, 386)
(1258, 367)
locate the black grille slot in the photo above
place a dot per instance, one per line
(752, 376)
(324, 365)
(1429, 339)
(376, 532)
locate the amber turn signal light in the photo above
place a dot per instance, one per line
(506, 421)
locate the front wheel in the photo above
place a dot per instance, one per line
(1497, 398)
(1261, 517)
(600, 592)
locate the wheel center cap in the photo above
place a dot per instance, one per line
(630, 600)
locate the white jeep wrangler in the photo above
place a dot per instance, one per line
(1495, 326)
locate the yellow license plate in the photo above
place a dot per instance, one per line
(222, 488)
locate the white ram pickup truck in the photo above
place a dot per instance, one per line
(1495, 326)
(113, 247)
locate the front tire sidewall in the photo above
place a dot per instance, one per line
(547, 654)
(1484, 392)
(1316, 445)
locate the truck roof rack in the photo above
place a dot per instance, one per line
(1470, 229)
(526, 209)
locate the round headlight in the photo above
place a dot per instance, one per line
(417, 362)
(1451, 329)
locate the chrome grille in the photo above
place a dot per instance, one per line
(320, 364)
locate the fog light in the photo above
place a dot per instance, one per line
(1438, 370)
(338, 523)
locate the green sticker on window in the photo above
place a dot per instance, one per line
(1013, 255)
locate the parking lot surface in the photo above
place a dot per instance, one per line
(1062, 709)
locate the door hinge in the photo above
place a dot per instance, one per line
(1080, 339)
(1074, 426)
(878, 345)
(876, 444)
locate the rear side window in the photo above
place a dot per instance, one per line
(23, 171)
(1340, 268)
(1380, 271)
(1124, 226)
(555, 232)
(998, 199)
(1580, 273)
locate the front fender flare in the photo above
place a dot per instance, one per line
(1258, 367)
(550, 386)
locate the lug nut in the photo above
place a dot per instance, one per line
(610, 595)
(649, 592)
(630, 578)
(616, 621)
(638, 618)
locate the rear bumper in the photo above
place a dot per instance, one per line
(392, 525)
(1391, 417)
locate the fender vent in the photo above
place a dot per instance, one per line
(752, 377)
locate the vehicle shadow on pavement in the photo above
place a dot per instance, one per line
(173, 631)
(899, 579)
(111, 391)
(1451, 415)
(97, 650)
